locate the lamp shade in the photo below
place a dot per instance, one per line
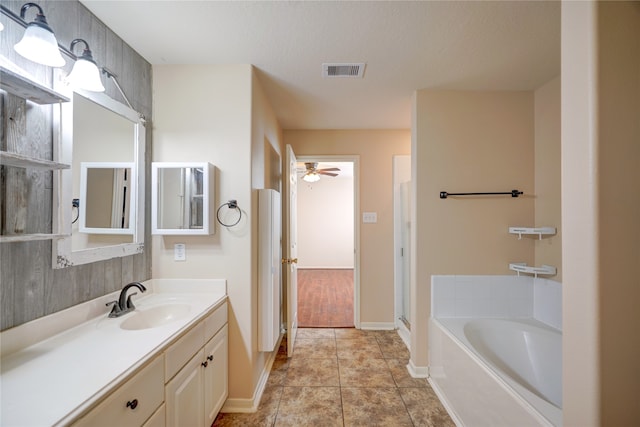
(38, 43)
(311, 177)
(85, 73)
(1, 26)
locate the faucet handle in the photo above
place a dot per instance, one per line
(115, 311)
(130, 305)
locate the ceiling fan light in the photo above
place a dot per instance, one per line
(311, 177)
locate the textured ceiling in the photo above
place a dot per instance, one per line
(510, 45)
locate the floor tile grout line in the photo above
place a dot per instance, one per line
(382, 339)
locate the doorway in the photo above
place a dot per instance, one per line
(327, 236)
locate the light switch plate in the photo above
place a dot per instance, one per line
(179, 252)
(369, 217)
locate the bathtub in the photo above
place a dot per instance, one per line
(497, 372)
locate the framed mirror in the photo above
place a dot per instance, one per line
(99, 202)
(181, 197)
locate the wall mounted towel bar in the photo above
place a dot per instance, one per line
(512, 193)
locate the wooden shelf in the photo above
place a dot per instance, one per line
(20, 161)
(31, 237)
(26, 88)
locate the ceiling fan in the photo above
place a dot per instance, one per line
(311, 173)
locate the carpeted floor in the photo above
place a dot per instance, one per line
(325, 298)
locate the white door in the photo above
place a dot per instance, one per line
(290, 259)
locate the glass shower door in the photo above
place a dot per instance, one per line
(405, 239)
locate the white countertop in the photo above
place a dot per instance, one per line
(52, 380)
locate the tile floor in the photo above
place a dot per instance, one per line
(344, 377)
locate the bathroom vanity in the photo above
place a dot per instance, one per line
(163, 364)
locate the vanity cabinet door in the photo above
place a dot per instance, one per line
(215, 375)
(131, 404)
(157, 419)
(184, 395)
(200, 387)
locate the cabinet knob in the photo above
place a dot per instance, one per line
(205, 364)
(133, 404)
(210, 357)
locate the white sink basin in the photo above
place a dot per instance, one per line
(155, 316)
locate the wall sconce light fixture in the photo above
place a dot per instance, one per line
(38, 43)
(85, 73)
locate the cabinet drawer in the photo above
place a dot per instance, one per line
(182, 350)
(133, 402)
(215, 321)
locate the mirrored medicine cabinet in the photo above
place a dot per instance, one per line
(181, 198)
(99, 201)
(105, 188)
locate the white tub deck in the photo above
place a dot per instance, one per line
(475, 392)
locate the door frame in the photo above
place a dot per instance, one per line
(355, 159)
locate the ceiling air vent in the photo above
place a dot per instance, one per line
(343, 69)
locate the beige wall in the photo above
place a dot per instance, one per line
(600, 211)
(376, 149)
(266, 150)
(619, 210)
(325, 223)
(547, 174)
(218, 114)
(468, 142)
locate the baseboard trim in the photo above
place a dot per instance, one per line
(377, 326)
(417, 371)
(232, 405)
(405, 335)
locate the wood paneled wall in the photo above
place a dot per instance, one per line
(29, 287)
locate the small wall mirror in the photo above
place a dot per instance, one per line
(99, 202)
(181, 198)
(106, 191)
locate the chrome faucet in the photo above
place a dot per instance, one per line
(124, 304)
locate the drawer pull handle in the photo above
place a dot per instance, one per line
(205, 364)
(133, 404)
(210, 358)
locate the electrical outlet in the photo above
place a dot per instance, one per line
(179, 252)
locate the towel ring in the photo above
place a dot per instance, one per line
(231, 204)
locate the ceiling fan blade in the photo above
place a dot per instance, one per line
(321, 172)
(330, 169)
